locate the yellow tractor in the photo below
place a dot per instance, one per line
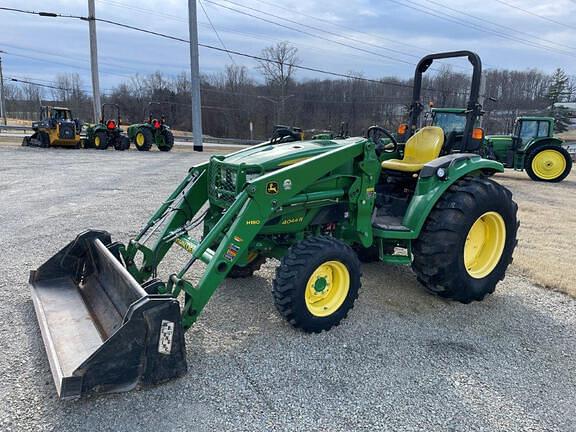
(56, 127)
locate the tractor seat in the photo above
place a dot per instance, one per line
(424, 146)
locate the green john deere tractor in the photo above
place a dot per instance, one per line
(107, 132)
(531, 146)
(110, 322)
(56, 127)
(152, 131)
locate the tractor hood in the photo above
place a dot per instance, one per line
(275, 156)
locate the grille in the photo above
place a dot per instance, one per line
(223, 182)
(226, 181)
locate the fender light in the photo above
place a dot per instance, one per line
(402, 129)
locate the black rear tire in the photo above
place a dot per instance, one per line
(535, 152)
(122, 143)
(168, 141)
(147, 137)
(291, 284)
(439, 260)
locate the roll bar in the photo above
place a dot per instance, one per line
(473, 109)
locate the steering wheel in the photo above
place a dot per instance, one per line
(376, 133)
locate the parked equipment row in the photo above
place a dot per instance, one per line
(57, 127)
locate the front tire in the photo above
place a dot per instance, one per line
(317, 283)
(548, 163)
(44, 139)
(468, 240)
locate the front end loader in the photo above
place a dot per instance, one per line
(111, 322)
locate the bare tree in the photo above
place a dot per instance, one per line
(278, 69)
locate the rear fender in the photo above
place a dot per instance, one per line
(435, 179)
(538, 142)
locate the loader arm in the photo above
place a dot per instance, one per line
(261, 200)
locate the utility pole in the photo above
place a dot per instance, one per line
(195, 77)
(2, 96)
(94, 60)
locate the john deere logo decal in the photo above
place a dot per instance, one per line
(272, 188)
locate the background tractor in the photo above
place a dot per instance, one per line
(111, 322)
(56, 127)
(108, 131)
(531, 146)
(152, 131)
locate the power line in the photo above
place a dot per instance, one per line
(536, 15)
(234, 52)
(215, 31)
(75, 58)
(316, 18)
(324, 30)
(261, 37)
(307, 33)
(41, 85)
(501, 26)
(468, 24)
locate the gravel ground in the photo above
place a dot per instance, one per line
(403, 360)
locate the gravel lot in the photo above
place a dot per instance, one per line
(403, 360)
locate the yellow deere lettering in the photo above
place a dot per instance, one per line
(293, 220)
(253, 222)
(185, 245)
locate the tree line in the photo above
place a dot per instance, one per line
(234, 104)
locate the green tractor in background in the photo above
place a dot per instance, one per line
(107, 132)
(113, 318)
(531, 146)
(153, 131)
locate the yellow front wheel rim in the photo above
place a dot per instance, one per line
(327, 288)
(484, 245)
(97, 141)
(140, 140)
(549, 164)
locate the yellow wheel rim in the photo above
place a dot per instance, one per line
(484, 245)
(97, 141)
(327, 288)
(140, 140)
(549, 164)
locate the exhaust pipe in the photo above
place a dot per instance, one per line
(102, 331)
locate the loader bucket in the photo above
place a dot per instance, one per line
(102, 331)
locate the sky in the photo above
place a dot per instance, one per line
(377, 38)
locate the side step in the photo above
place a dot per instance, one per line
(388, 223)
(101, 330)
